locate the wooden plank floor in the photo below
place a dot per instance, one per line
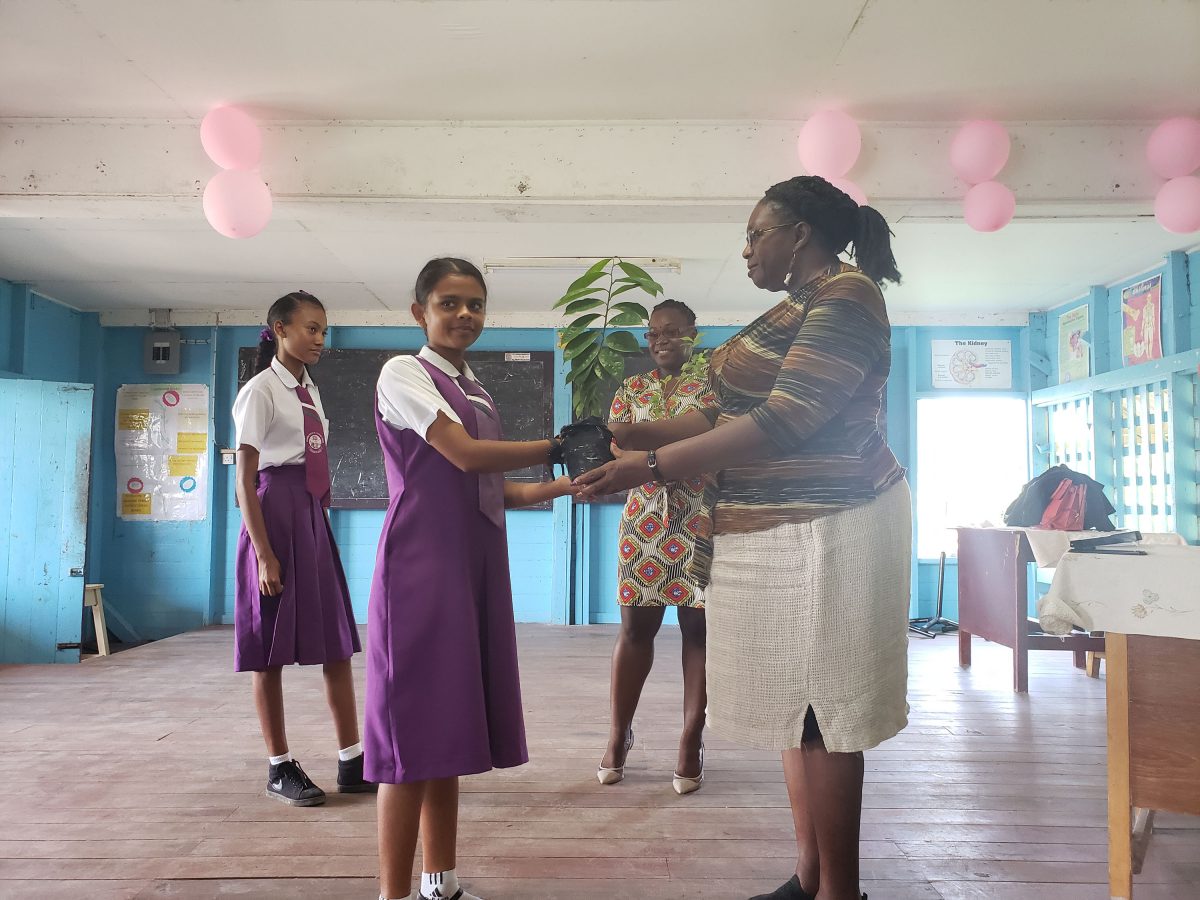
(141, 775)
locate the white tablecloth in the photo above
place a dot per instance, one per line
(1049, 546)
(1157, 594)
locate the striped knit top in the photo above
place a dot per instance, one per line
(811, 373)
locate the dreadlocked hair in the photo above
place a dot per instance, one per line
(839, 222)
(680, 306)
(281, 311)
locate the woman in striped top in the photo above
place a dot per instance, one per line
(808, 601)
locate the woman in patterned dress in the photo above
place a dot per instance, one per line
(659, 527)
(807, 605)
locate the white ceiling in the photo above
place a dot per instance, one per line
(312, 60)
(947, 267)
(101, 64)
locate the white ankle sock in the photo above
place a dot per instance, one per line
(276, 760)
(439, 884)
(348, 753)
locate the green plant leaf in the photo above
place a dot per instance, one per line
(583, 305)
(625, 319)
(579, 344)
(612, 361)
(623, 341)
(635, 308)
(629, 286)
(591, 276)
(642, 277)
(575, 295)
(585, 406)
(576, 328)
(585, 398)
(580, 363)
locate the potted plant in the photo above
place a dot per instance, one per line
(596, 344)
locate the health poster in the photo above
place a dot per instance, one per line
(1141, 321)
(1074, 360)
(162, 453)
(972, 365)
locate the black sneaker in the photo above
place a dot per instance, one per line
(350, 777)
(287, 783)
(789, 890)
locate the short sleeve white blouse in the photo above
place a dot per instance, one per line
(267, 415)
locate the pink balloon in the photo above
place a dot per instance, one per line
(1173, 149)
(989, 206)
(231, 138)
(1177, 206)
(237, 204)
(829, 144)
(846, 186)
(979, 151)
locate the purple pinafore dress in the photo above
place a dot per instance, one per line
(443, 690)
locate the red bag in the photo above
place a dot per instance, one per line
(1065, 511)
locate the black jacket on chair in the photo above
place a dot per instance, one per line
(1026, 511)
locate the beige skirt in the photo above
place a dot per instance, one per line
(813, 614)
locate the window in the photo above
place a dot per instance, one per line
(1069, 425)
(972, 461)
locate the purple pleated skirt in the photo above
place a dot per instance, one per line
(312, 621)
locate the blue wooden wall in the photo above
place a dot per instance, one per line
(1180, 329)
(165, 578)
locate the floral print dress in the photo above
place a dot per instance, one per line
(660, 522)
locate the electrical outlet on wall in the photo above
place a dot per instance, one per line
(228, 457)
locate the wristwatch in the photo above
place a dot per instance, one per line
(652, 463)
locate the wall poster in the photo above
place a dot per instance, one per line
(161, 447)
(1141, 321)
(972, 365)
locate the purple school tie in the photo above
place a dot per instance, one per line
(316, 460)
(491, 485)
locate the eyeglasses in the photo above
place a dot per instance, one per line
(667, 334)
(752, 236)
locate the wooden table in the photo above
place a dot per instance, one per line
(1153, 689)
(993, 601)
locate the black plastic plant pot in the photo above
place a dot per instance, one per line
(586, 446)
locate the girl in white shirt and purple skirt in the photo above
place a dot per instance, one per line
(292, 606)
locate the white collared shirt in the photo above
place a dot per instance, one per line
(408, 398)
(267, 416)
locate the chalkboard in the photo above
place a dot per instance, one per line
(522, 384)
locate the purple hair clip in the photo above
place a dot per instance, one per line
(266, 335)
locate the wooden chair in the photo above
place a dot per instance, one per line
(93, 598)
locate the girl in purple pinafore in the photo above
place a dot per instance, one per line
(291, 605)
(443, 692)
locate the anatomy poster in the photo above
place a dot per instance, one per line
(162, 452)
(1074, 360)
(1141, 321)
(972, 365)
